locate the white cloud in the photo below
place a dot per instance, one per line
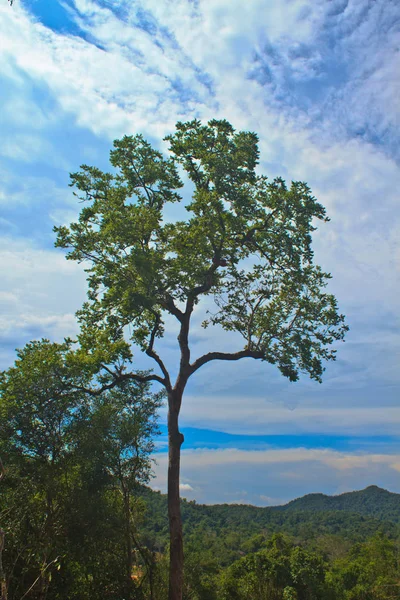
(185, 487)
(35, 191)
(24, 147)
(40, 292)
(57, 325)
(132, 95)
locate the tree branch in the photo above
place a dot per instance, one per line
(186, 369)
(109, 371)
(201, 289)
(153, 354)
(147, 188)
(39, 576)
(251, 320)
(225, 356)
(273, 264)
(248, 236)
(171, 307)
(118, 378)
(141, 181)
(197, 174)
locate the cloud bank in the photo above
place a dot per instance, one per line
(272, 477)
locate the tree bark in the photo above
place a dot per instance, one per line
(129, 552)
(3, 583)
(175, 439)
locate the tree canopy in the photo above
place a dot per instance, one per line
(246, 242)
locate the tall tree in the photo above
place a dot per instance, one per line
(245, 244)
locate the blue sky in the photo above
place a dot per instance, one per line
(319, 82)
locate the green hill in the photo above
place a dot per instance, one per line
(227, 531)
(372, 501)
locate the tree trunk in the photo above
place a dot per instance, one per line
(3, 583)
(175, 439)
(129, 552)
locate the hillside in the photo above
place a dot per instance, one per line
(228, 530)
(372, 501)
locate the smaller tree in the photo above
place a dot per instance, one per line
(73, 462)
(289, 593)
(116, 435)
(36, 410)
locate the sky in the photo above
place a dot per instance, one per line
(319, 82)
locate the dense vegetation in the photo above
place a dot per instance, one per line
(80, 523)
(72, 462)
(227, 530)
(294, 551)
(373, 501)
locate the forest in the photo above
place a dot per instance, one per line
(80, 522)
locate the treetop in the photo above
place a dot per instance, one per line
(245, 242)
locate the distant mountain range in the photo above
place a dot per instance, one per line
(354, 516)
(372, 501)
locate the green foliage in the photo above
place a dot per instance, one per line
(370, 571)
(36, 404)
(72, 462)
(116, 429)
(281, 570)
(65, 520)
(246, 243)
(289, 593)
(224, 532)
